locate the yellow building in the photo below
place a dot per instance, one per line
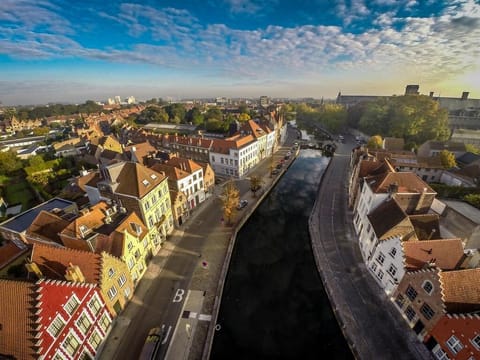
(134, 187)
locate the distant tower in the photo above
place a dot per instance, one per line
(264, 101)
(118, 100)
(411, 90)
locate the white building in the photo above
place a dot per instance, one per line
(233, 157)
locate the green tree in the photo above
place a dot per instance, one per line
(194, 116)
(176, 112)
(473, 199)
(230, 198)
(41, 131)
(243, 117)
(448, 159)
(214, 113)
(9, 162)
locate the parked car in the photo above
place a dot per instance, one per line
(153, 343)
(279, 166)
(275, 171)
(242, 204)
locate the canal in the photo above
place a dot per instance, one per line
(274, 305)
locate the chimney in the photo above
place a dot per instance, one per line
(74, 274)
(421, 199)
(465, 95)
(431, 94)
(134, 149)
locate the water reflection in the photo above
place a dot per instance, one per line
(274, 305)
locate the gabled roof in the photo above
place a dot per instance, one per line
(446, 145)
(187, 165)
(54, 261)
(134, 179)
(223, 146)
(172, 172)
(47, 226)
(89, 220)
(9, 252)
(252, 128)
(192, 141)
(445, 253)
(468, 158)
(17, 333)
(141, 151)
(385, 216)
(373, 168)
(460, 290)
(406, 182)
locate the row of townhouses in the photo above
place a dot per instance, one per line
(71, 267)
(422, 251)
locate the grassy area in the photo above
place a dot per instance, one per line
(18, 192)
(4, 179)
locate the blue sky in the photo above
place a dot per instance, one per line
(56, 51)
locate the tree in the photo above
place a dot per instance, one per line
(194, 116)
(243, 117)
(255, 184)
(473, 199)
(9, 162)
(230, 198)
(448, 159)
(375, 142)
(472, 148)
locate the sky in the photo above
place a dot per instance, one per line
(73, 51)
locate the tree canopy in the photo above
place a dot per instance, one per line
(9, 162)
(375, 142)
(230, 198)
(416, 119)
(448, 159)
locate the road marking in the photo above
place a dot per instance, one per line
(167, 335)
(204, 317)
(178, 295)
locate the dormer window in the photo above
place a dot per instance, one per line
(137, 228)
(83, 230)
(145, 182)
(153, 176)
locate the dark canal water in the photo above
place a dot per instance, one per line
(274, 305)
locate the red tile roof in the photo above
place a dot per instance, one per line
(223, 146)
(407, 182)
(445, 253)
(18, 326)
(461, 290)
(9, 252)
(47, 226)
(54, 261)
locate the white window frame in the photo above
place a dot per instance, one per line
(79, 324)
(476, 342)
(69, 307)
(71, 334)
(92, 342)
(112, 292)
(95, 305)
(122, 279)
(454, 344)
(53, 325)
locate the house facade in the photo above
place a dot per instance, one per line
(71, 322)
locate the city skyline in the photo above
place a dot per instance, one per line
(55, 51)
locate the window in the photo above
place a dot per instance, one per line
(127, 292)
(476, 342)
(111, 272)
(374, 267)
(122, 280)
(94, 305)
(400, 300)
(393, 252)
(381, 258)
(71, 344)
(392, 270)
(112, 292)
(411, 293)
(427, 311)
(83, 323)
(104, 322)
(72, 304)
(130, 245)
(131, 262)
(410, 313)
(428, 287)
(95, 339)
(454, 344)
(56, 326)
(380, 274)
(440, 354)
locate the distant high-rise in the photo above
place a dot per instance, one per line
(110, 101)
(264, 101)
(130, 100)
(118, 100)
(412, 90)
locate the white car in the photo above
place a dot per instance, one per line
(242, 204)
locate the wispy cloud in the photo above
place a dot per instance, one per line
(435, 48)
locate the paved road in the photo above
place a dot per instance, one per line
(372, 326)
(176, 269)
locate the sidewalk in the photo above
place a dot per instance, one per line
(216, 250)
